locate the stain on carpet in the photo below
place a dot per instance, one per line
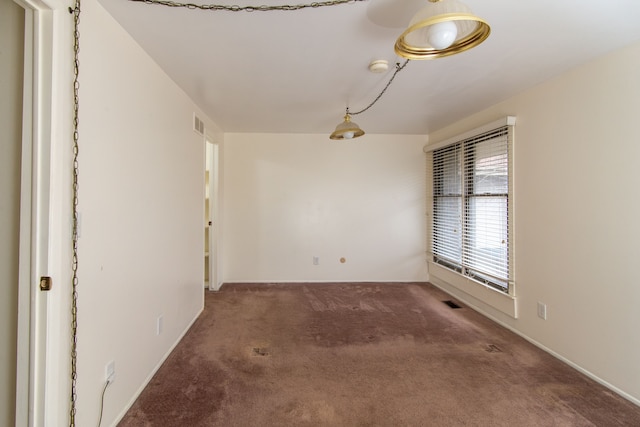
(260, 351)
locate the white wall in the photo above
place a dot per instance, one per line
(141, 215)
(11, 61)
(291, 197)
(576, 215)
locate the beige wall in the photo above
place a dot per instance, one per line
(576, 215)
(289, 198)
(142, 215)
(11, 63)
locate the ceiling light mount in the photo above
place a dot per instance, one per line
(379, 66)
(442, 28)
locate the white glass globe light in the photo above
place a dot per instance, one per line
(347, 129)
(442, 35)
(348, 135)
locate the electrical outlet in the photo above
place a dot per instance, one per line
(110, 372)
(159, 325)
(316, 260)
(542, 310)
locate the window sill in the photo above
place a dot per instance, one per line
(454, 283)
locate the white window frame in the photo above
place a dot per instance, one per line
(455, 280)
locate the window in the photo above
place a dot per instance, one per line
(471, 199)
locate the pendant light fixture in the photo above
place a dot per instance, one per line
(441, 28)
(347, 129)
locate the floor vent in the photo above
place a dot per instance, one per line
(260, 351)
(451, 304)
(492, 348)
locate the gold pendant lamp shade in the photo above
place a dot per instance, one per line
(347, 129)
(441, 28)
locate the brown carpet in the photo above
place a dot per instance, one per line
(364, 354)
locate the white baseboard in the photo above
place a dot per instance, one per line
(265, 282)
(155, 369)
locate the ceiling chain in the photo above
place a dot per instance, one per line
(75, 11)
(398, 69)
(236, 8)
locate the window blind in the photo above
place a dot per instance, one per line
(447, 205)
(471, 192)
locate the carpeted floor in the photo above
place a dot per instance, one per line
(363, 355)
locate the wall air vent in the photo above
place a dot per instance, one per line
(198, 125)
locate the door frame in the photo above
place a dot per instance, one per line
(34, 247)
(213, 163)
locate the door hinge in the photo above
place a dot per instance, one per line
(46, 283)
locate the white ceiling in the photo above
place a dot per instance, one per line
(296, 71)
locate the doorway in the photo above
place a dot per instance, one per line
(211, 217)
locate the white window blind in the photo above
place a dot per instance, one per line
(471, 194)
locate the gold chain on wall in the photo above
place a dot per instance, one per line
(74, 266)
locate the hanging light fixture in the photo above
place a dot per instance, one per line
(347, 129)
(441, 28)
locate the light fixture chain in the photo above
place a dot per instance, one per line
(75, 11)
(236, 8)
(398, 69)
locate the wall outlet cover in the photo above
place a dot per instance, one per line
(110, 371)
(159, 325)
(542, 310)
